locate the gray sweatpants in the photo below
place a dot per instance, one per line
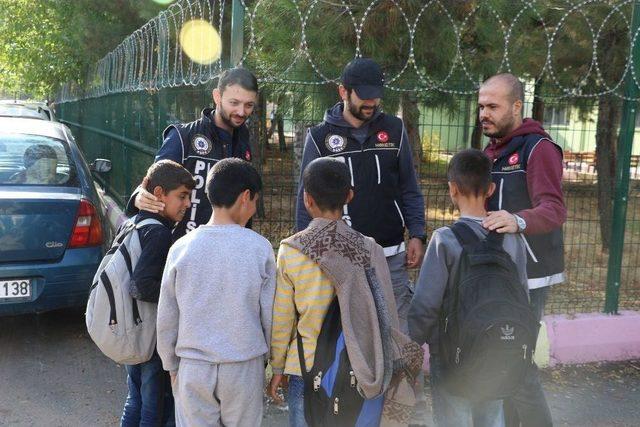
(402, 287)
(225, 394)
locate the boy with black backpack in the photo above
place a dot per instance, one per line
(471, 306)
(335, 326)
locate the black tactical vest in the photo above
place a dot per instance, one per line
(202, 148)
(376, 209)
(545, 252)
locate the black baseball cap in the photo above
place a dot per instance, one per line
(365, 76)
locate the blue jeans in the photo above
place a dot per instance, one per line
(150, 401)
(295, 400)
(453, 411)
(402, 287)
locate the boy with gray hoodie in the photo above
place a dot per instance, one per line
(470, 185)
(216, 302)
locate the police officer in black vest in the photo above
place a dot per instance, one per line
(527, 171)
(375, 147)
(198, 145)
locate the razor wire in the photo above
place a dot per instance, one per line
(151, 58)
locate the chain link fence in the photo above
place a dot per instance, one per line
(146, 84)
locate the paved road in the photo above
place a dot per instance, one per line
(51, 374)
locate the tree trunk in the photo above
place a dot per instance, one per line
(256, 125)
(411, 118)
(299, 134)
(476, 135)
(282, 143)
(606, 136)
(537, 112)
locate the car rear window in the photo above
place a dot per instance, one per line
(34, 160)
(30, 112)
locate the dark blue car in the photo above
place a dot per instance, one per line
(53, 230)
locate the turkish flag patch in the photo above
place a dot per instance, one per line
(514, 159)
(383, 136)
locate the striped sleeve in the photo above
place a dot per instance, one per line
(284, 310)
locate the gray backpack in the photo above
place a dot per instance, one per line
(123, 328)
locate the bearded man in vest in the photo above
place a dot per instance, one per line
(375, 147)
(219, 133)
(527, 171)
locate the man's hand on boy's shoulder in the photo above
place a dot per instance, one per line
(500, 221)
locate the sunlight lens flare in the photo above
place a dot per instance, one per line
(200, 41)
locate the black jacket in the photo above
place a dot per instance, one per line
(155, 241)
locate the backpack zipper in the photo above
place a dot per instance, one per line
(446, 323)
(317, 380)
(524, 349)
(336, 406)
(458, 351)
(352, 381)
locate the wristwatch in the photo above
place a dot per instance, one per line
(422, 238)
(522, 224)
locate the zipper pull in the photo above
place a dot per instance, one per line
(316, 381)
(524, 351)
(353, 379)
(336, 406)
(446, 323)
(458, 351)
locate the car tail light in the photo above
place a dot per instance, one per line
(87, 230)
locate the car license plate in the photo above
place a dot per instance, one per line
(15, 288)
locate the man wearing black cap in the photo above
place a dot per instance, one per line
(376, 148)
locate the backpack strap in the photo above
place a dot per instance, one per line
(147, 221)
(464, 234)
(495, 239)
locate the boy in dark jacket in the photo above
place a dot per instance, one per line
(150, 401)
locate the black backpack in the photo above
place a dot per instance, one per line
(487, 328)
(331, 397)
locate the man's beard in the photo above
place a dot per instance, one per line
(359, 114)
(502, 129)
(227, 119)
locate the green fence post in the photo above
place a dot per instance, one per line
(625, 144)
(237, 33)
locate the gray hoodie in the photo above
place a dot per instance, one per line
(437, 273)
(216, 297)
(412, 199)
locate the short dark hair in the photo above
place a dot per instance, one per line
(470, 169)
(230, 177)
(516, 89)
(328, 181)
(169, 175)
(238, 76)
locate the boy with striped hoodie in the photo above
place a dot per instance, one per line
(330, 261)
